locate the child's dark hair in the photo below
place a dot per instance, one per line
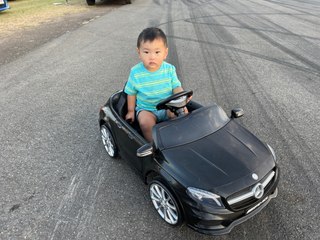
(150, 34)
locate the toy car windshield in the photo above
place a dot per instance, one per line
(196, 125)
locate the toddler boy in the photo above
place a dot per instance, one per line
(150, 81)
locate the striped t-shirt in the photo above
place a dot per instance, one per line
(151, 87)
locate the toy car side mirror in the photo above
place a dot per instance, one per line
(237, 112)
(145, 150)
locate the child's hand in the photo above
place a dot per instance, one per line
(185, 109)
(130, 117)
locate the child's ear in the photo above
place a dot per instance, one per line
(166, 53)
(138, 51)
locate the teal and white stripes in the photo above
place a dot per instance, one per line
(151, 87)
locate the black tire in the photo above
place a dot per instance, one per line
(108, 141)
(165, 203)
(91, 2)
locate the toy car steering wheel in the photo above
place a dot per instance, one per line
(176, 102)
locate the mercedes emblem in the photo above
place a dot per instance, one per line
(258, 191)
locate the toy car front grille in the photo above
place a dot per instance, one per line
(246, 198)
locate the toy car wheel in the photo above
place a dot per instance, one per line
(165, 203)
(108, 141)
(91, 2)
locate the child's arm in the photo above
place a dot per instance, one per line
(177, 90)
(180, 89)
(131, 99)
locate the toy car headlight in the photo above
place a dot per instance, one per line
(272, 152)
(205, 196)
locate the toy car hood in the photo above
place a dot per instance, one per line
(207, 150)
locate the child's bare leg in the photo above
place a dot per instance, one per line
(146, 121)
(171, 114)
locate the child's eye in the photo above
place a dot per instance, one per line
(146, 52)
(157, 52)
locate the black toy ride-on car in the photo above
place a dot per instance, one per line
(203, 168)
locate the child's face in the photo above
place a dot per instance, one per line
(152, 54)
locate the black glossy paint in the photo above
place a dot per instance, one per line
(204, 149)
(227, 154)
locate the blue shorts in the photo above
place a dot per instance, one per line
(161, 115)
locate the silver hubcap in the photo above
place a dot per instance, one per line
(107, 141)
(163, 204)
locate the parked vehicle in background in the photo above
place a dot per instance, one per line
(3, 5)
(93, 2)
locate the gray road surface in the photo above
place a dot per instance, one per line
(56, 181)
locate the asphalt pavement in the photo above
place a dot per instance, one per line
(56, 180)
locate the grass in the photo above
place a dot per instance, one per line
(24, 14)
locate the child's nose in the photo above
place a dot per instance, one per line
(152, 55)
